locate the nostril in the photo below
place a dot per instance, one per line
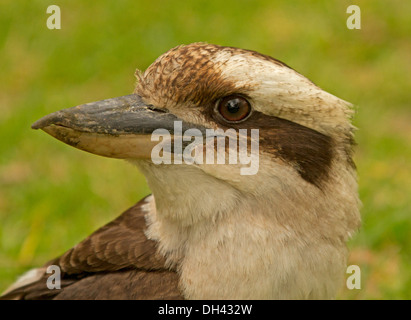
(153, 108)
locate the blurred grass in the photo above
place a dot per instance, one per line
(52, 196)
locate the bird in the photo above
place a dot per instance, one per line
(207, 231)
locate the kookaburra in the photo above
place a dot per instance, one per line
(207, 231)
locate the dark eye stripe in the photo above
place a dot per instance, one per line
(309, 151)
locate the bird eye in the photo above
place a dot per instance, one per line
(234, 108)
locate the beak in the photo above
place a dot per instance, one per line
(116, 128)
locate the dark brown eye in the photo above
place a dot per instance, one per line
(234, 108)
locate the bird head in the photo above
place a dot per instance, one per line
(294, 197)
(303, 134)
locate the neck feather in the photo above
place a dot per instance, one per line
(289, 244)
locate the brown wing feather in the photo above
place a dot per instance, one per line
(115, 262)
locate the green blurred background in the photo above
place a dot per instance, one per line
(52, 195)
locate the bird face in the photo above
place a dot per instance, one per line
(279, 231)
(304, 133)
